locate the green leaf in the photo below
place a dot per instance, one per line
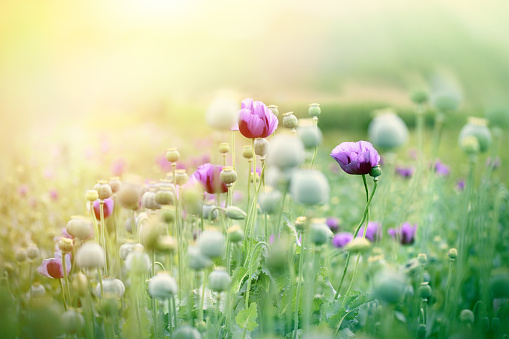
(247, 318)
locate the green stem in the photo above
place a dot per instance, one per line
(297, 295)
(63, 294)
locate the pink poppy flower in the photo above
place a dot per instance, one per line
(256, 120)
(208, 176)
(108, 208)
(53, 268)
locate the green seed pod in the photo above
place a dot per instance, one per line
(477, 128)
(424, 291)
(228, 176)
(419, 97)
(390, 286)
(309, 187)
(112, 288)
(287, 151)
(21, 255)
(172, 155)
(467, 316)
(446, 103)
(164, 197)
(138, 262)
(247, 152)
(80, 283)
(197, 260)
(310, 135)
(301, 224)
(261, 147)
(453, 254)
(37, 290)
(73, 321)
(90, 255)
(320, 232)
(314, 110)
(235, 213)
(270, 200)
(358, 245)
(103, 189)
(235, 234)
(168, 215)
(162, 286)
(110, 307)
(129, 196)
(150, 233)
(166, 244)
(387, 130)
(181, 177)
(470, 145)
(224, 148)
(186, 332)
(65, 245)
(219, 280)
(115, 184)
(92, 195)
(211, 244)
(290, 121)
(498, 117)
(32, 252)
(375, 171)
(192, 199)
(421, 331)
(422, 258)
(274, 109)
(500, 286)
(148, 200)
(79, 227)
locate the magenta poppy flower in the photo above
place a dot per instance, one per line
(460, 184)
(208, 176)
(371, 232)
(406, 233)
(107, 210)
(53, 268)
(405, 172)
(256, 120)
(333, 223)
(356, 157)
(341, 239)
(442, 169)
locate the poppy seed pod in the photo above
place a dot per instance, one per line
(375, 171)
(37, 290)
(72, 321)
(127, 248)
(80, 283)
(172, 155)
(32, 252)
(274, 109)
(138, 262)
(290, 121)
(247, 152)
(90, 255)
(235, 234)
(197, 260)
(129, 196)
(261, 147)
(422, 258)
(92, 195)
(65, 245)
(115, 184)
(209, 211)
(112, 288)
(79, 227)
(148, 200)
(476, 127)
(424, 290)
(387, 130)
(358, 245)
(165, 197)
(211, 244)
(186, 332)
(228, 176)
(181, 177)
(192, 200)
(314, 110)
(301, 224)
(150, 233)
(224, 148)
(419, 97)
(167, 215)
(310, 135)
(446, 102)
(219, 280)
(162, 286)
(499, 286)
(287, 151)
(453, 253)
(270, 201)
(498, 117)
(421, 331)
(103, 189)
(309, 187)
(235, 213)
(390, 286)
(467, 316)
(166, 244)
(320, 232)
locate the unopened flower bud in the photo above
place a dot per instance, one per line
(235, 234)
(21, 255)
(103, 189)
(65, 245)
(172, 155)
(453, 254)
(235, 213)
(290, 121)
(422, 258)
(37, 290)
(211, 244)
(72, 321)
(424, 290)
(261, 147)
(224, 148)
(375, 171)
(80, 283)
(90, 255)
(228, 176)
(247, 152)
(92, 195)
(32, 252)
(162, 286)
(467, 316)
(274, 109)
(115, 184)
(301, 224)
(314, 110)
(181, 177)
(79, 227)
(219, 280)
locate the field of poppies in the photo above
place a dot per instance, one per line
(267, 228)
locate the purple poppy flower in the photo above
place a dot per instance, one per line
(107, 210)
(405, 172)
(208, 176)
(256, 120)
(371, 232)
(53, 268)
(406, 233)
(333, 223)
(460, 184)
(441, 169)
(356, 157)
(341, 239)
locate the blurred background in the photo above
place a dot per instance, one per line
(130, 75)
